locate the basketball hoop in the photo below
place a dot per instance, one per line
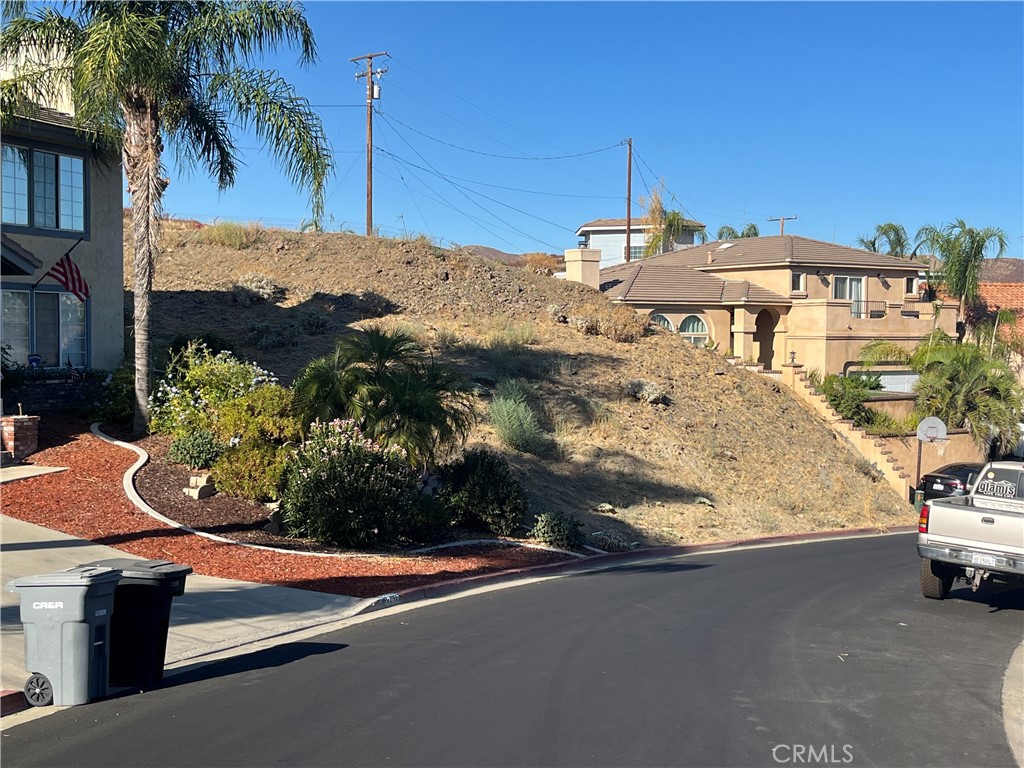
(940, 445)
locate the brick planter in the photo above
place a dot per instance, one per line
(20, 435)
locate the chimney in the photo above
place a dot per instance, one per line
(710, 257)
(583, 265)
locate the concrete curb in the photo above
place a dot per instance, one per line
(600, 562)
(12, 702)
(1013, 704)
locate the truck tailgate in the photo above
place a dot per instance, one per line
(970, 525)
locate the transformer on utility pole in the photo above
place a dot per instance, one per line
(372, 92)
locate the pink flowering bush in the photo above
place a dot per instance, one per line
(345, 489)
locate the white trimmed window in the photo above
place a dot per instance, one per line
(847, 288)
(694, 330)
(635, 252)
(910, 286)
(50, 324)
(798, 283)
(45, 190)
(663, 321)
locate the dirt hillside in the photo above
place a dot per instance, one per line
(730, 454)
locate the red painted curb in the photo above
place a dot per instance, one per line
(11, 702)
(442, 588)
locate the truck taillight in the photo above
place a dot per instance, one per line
(922, 523)
(958, 484)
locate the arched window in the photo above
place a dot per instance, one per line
(694, 330)
(663, 321)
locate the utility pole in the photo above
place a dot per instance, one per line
(629, 193)
(372, 92)
(782, 222)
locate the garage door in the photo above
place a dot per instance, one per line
(897, 381)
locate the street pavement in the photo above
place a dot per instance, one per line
(749, 657)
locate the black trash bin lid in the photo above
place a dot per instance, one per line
(135, 571)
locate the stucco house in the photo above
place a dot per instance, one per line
(609, 237)
(776, 300)
(60, 194)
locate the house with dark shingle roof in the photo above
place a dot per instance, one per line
(780, 299)
(609, 237)
(60, 194)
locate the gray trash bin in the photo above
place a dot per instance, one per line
(142, 616)
(66, 619)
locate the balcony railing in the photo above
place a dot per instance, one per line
(912, 308)
(868, 310)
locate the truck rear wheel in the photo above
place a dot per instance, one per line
(936, 580)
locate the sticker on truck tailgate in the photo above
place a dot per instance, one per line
(1002, 489)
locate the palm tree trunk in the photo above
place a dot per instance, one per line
(142, 166)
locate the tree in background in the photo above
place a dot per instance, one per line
(725, 232)
(143, 76)
(891, 239)
(962, 250)
(666, 227)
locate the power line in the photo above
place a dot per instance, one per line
(407, 190)
(460, 190)
(503, 157)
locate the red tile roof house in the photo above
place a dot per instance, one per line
(776, 300)
(1001, 287)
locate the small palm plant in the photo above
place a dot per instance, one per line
(394, 390)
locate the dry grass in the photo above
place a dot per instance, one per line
(230, 234)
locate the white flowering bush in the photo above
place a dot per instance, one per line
(196, 384)
(345, 489)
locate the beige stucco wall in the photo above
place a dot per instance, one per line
(100, 258)
(717, 320)
(960, 447)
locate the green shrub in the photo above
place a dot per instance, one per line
(253, 287)
(196, 450)
(314, 323)
(264, 414)
(481, 493)
(197, 383)
(344, 489)
(114, 402)
(847, 394)
(252, 470)
(559, 530)
(517, 426)
(519, 390)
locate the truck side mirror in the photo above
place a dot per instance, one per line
(971, 477)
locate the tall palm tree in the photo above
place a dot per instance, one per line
(393, 389)
(750, 230)
(962, 250)
(177, 73)
(672, 227)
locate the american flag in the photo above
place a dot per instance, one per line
(74, 373)
(66, 273)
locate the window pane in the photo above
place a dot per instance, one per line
(48, 329)
(15, 327)
(840, 287)
(72, 193)
(44, 190)
(797, 283)
(693, 324)
(663, 321)
(15, 185)
(72, 331)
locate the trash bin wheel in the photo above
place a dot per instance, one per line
(38, 690)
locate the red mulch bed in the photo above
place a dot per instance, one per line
(88, 501)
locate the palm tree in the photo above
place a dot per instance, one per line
(725, 232)
(891, 239)
(963, 384)
(962, 250)
(673, 226)
(398, 394)
(177, 73)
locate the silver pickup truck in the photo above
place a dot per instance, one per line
(974, 537)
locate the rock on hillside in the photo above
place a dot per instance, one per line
(730, 453)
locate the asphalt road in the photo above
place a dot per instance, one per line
(736, 659)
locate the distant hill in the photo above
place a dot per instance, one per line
(492, 254)
(1002, 271)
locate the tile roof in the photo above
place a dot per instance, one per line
(51, 116)
(637, 223)
(782, 249)
(648, 282)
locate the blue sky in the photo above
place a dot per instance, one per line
(845, 114)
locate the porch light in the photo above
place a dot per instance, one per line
(819, 273)
(792, 358)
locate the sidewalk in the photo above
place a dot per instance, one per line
(214, 615)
